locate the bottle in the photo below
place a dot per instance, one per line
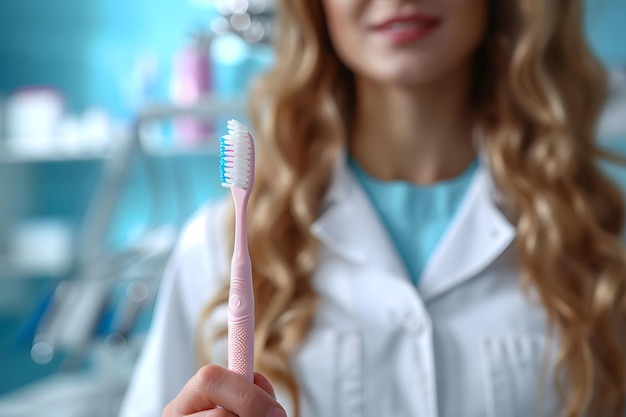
(191, 81)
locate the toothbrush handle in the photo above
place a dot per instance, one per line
(241, 320)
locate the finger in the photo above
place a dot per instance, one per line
(217, 412)
(213, 385)
(263, 382)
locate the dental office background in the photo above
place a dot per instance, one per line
(110, 112)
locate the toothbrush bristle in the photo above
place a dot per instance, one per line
(235, 156)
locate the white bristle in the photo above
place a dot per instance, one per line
(235, 155)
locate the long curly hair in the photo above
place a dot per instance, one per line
(539, 91)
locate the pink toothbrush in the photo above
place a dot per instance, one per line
(237, 173)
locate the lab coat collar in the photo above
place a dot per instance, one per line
(475, 238)
(350, 227)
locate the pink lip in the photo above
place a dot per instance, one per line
(417, 27)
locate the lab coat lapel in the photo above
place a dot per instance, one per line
(351, 228)
(477, 235)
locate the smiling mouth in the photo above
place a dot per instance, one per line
(407, 28)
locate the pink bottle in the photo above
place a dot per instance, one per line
(191, 81)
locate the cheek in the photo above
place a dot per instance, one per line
(338, 19)
(343, 27)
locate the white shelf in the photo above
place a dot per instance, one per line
(11, 156)
(29, 150)
(177, 152)
(23, 155)
(33, 150)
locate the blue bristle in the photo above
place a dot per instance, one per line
(223, 149)
(234, 158)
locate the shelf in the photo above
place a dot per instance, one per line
(24, 155)
(31, 150)
(180, 152)
(34, 150)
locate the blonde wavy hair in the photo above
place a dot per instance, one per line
(539, 91)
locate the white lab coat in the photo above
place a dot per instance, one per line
(466, 342)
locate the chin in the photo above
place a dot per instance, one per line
(413, 73)
(410, 78)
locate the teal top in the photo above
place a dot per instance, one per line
(416, 216)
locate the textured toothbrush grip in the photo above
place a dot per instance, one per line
(241, 328)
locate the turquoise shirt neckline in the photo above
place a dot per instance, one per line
(415, 216)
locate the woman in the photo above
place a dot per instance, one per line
(430, 232)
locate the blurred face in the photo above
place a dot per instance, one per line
(405, 42)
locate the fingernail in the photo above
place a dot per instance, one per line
(276, 412)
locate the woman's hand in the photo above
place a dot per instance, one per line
(214, 386)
